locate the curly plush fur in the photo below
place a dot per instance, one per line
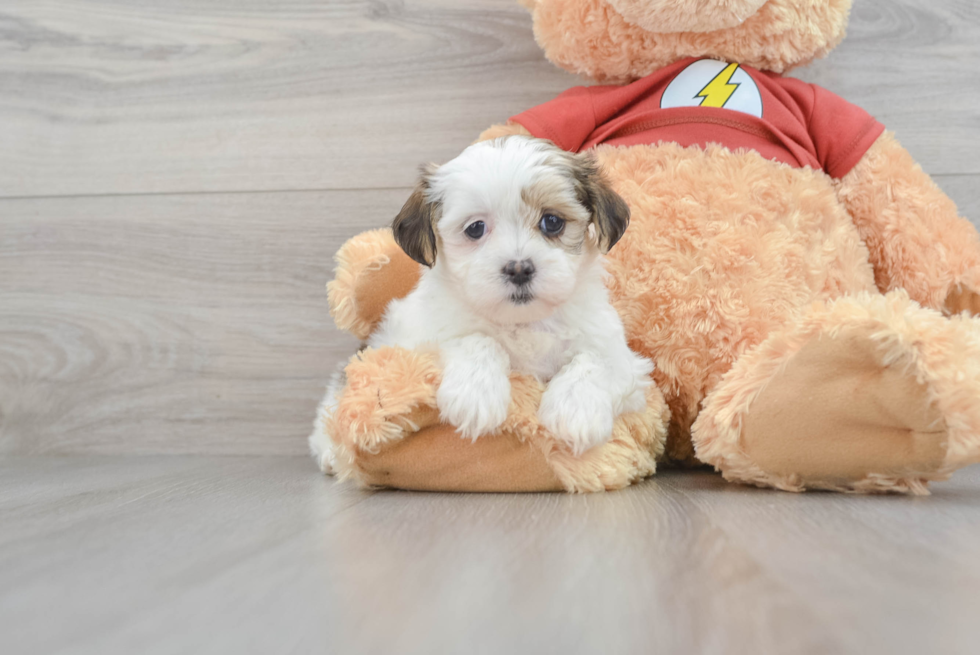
(940, 355)
(685, 16)
(590, 38)
(723, 247)
(916, 239)
(390, 398)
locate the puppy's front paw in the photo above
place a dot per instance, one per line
(580, 415)
(476, 402)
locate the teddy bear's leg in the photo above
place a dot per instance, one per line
(436, 459)
(916, 239)
(379, 425)
(372, 270)
(867, 393)
(382, 429)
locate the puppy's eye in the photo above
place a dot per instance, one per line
(475, 230)
(551, 225)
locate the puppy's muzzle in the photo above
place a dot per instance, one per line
(519, 273)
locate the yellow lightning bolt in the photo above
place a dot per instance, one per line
(719, 90)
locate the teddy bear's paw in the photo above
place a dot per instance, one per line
(475, 402)
(866, 415)
(580, 415)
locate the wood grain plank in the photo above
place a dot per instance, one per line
(243, 555)
(124, 97)
(171, 323)
(107, 96)
(841, 549)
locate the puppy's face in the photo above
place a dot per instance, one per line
(512, 223)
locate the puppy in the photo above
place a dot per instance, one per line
(512, 234)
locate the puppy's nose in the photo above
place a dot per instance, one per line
(519, 272)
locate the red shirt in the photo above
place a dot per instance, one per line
(700, 101)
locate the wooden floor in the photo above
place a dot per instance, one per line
(174, 178)
(206, 554)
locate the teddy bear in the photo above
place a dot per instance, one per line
(806, 292)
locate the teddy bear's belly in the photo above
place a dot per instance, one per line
(722, 247)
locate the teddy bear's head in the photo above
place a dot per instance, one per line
(623, 40)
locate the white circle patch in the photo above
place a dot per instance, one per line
(711, 83)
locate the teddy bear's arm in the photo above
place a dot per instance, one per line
(372, 270)
(384, 430)
(915, 236)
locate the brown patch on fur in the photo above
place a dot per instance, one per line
(414, 226)
(610, 213)
(549, 196)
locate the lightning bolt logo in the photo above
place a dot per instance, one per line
(719, 91)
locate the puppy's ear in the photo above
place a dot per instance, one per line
(414, 227)
(610, 213)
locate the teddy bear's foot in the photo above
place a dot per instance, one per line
(837, 414)
(866, 394)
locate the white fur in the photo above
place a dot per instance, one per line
(568, 335)
(320, 445)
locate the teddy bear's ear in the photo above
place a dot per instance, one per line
(610, 213)
(414, 227)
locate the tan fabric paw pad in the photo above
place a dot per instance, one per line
(835, 414)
